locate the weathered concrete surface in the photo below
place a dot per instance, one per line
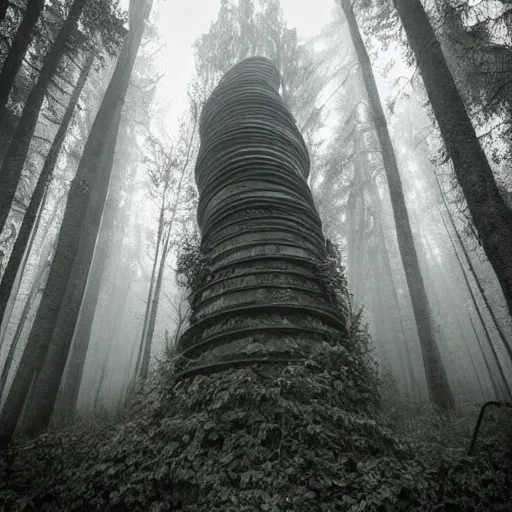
(260, 229)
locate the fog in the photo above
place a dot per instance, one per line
(151, 203)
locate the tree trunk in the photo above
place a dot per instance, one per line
(415, 391)
(4, 4)
(477, 309)
(100, 385)
(489, 212)
(111, 231)
(129, 371)
(475, 370)
(37, 287)
(471, 267)
(18, 50)
(17, 282)
(66, 402)
(152, 282)
(16, 153)
(464, 339)
(58, 312)
(261, 227)
(134, 364)
(437, 380)
(30, 216)
(498, 392)
(148, 340)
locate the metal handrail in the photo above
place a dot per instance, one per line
(480, 417)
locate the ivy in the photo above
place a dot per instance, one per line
(320, 434)
(192, 266)
(310, 437)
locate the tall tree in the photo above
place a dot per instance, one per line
(45, 236)
(117, 230)
(71, 384)
(33, 296)
(16, 154)
(110, 235)
(245, 28)
(45, 354)
(472, 269)
(18, 50)
(100, 20)
(147, 339)
(7, 281)
(489, 212)
(4, 5)
(504, 385)
(437, 380)
(161, 178)
(476, 39)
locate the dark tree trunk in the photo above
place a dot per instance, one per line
(16, 153)
(4, 4)
(36, 289)
(17, 282)
(66, 402)
(68, 395)
(437, 380)
(34, 206)
(18, 49)
(49, 341)
(489, 212)
(108, 234)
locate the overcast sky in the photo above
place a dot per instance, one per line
(181, 23)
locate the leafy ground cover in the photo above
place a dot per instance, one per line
(324, 434)
(311, 436)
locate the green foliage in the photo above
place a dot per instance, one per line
(313, 435)
(105, 19)
(358, 340)
(192, 267)
(245, 28)
(332, 272)
(308, 438)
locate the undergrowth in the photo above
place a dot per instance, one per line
(308, 437)
(317, 435)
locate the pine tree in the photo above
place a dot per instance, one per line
(489, 212)
(16, 257)
(18, 50)
(45, 354)
(437, 380)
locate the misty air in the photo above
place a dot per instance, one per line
(256, 255)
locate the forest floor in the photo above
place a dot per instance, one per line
(304, 437)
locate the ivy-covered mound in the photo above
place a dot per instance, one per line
(305, 437)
